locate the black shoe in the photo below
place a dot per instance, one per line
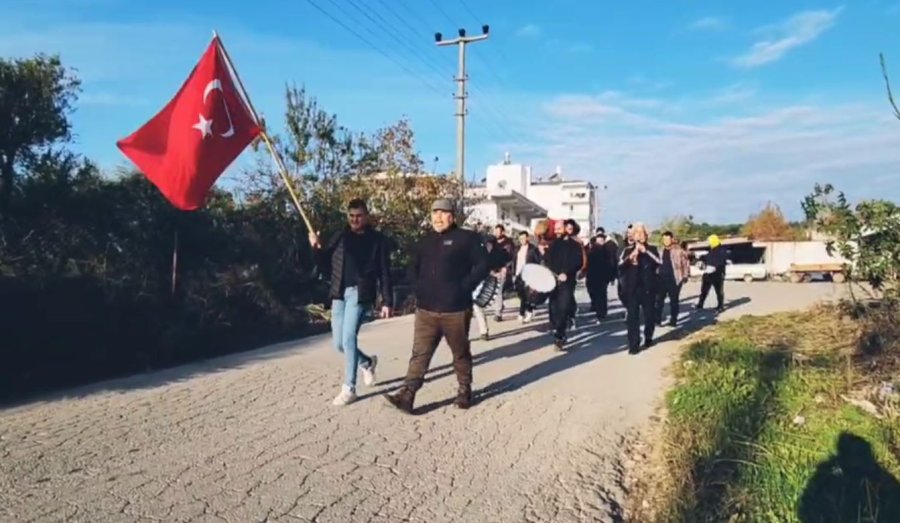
(647, 345)
(402, 399)
(485, 337)
(463, 398)
(559, 343)
(720, 309)
(634, 350)
(699, 306)
(673, 323)
(498, 318)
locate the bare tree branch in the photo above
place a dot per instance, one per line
(887, 84)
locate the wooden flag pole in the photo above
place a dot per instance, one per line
(282, 169)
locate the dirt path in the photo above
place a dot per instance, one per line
(254, 437)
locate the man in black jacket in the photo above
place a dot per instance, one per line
(602, 270)
(356, 258)
(446, 267)
(715, 263)
(639, 270)
(527, 253)
(565, 258)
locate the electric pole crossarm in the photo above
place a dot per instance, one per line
(461, 94)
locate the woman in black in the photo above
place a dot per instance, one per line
(638, 269)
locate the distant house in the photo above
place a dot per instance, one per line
(512, 196)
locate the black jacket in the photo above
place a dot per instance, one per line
(644, 276)
(533, 255)
(565, 256)
(603, 263)
(498, 254)
(446, 268)
(717, 257)
(330, 259)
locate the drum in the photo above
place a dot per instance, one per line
(484, 293)
(539, 281)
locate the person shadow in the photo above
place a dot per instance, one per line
(850, 486)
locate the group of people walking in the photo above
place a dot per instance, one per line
(448, 266)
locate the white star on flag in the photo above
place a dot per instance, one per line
(204, 126)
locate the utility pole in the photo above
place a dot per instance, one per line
(461, 95)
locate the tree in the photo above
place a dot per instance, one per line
(768, 225)
(868, 234)
(36, 96)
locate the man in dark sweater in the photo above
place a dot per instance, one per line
(714, 275)
(602, 270)
(674, 271)
(565, 258)
(446, 267)
(356, 258)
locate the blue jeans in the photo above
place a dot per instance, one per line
(347, 317)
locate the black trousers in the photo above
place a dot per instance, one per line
(638, 302)
(524, 304)
(671, 289)
(598, 291)
(561, 300)
(715, 280)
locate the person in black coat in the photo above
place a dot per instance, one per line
(602, 270)
(447, 265)
(715, 264)
(639, 266)
(565, 258)
(525, 254)
(357, 258)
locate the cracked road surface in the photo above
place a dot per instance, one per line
(254, 437)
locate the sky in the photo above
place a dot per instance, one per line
(708, 108)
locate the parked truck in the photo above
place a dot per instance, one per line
(800, 261)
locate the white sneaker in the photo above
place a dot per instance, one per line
(345, 397)
(521, 318)
(368, 373)
(529, 316)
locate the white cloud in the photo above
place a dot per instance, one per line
(708, 23)
(796, 31)
(732, 94)
(718, 167)
(529, 31)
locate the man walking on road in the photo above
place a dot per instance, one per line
(504, 242)
(714, 275)
(565, 258)
(356, 258)
(526, 254)
(602, 270)
(447, 265)
(673, 272)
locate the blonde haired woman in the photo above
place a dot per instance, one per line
(638, 269)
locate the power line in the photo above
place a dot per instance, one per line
(373, 46)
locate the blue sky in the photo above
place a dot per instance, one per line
(709, 108)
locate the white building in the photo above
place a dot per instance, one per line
(512, 196)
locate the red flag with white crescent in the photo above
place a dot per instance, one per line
(185, 148)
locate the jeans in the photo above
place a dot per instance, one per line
(347, 316)
(671, 289)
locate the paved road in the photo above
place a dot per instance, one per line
(254, 437)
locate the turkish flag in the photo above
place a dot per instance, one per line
(190, 142)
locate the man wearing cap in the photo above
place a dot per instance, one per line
(714, 276)
(446, 267)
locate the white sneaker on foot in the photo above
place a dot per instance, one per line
(529, 316)
(521, 318)
(368, 373)
(345, 397)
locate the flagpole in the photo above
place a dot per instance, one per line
(282, 169)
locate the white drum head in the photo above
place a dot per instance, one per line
(538, 277)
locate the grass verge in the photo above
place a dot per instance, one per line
(768, 422)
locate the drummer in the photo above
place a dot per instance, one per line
(526, 253)
(565, 257)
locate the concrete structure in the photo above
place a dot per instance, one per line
(511, 195)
